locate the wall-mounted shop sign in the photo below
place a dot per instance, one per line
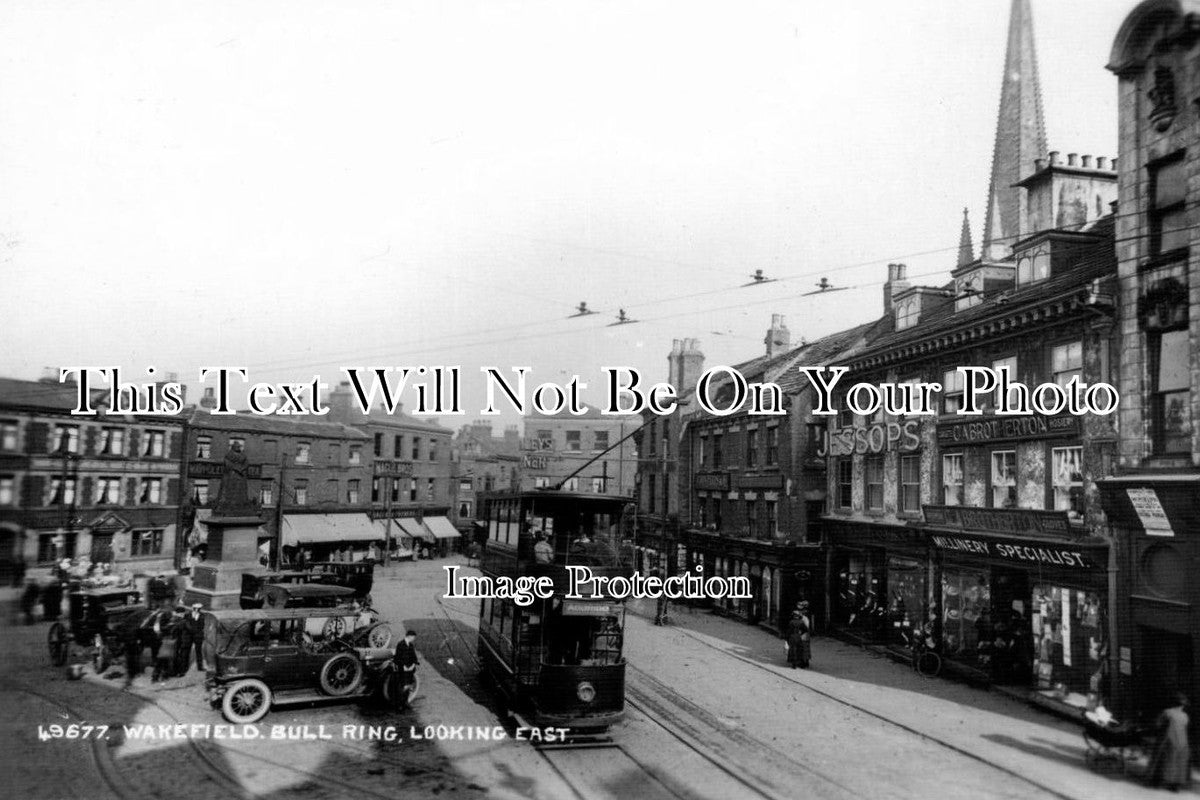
(1025, 553)
(1150, 511)
(211, 469)
(537, 443)
(877, 438)
(773, 481)
(402, 469)
(999, 520)
(1006, 429)
(711, 481)
(535, 462)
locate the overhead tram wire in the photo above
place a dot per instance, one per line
(358, 356)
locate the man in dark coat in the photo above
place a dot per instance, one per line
(193, 636)
(406, 666)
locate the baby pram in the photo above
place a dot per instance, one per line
(1119, 744)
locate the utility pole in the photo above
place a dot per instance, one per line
(387, 516)
(277, 556)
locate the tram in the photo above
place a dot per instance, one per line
(558, 661)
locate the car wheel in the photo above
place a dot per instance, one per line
(379, 636)
(334, 626)
(246, 701)
(57, 641)
(394, 695)
(341, 675)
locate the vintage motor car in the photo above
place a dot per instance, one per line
(95, 621)
(356, 575)
(262, 658)
(253, 583)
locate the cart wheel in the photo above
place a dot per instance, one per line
(379, 636)
(341, 675)
(101, 659)
(57, 641)
(391, 690)
(246, 701)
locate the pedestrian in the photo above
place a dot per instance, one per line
(660, 602)
(52, 600)
(1170, 765)
(164, 653)
(800, 632)
(193, 635)
(406, 662)
(156, 591)
(29, 599)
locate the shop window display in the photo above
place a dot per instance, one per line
(1068, 643)
(859, 605)
(967, 630)
(906, 593)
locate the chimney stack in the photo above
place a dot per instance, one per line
(779, 338)
(209, 400)
(897, 281)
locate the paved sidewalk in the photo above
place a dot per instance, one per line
(989, 726)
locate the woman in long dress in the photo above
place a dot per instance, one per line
(1171, 764)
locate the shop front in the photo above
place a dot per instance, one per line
(1021, 602)
(879, 581)
(1155, 519)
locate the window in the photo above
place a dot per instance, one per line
(600, 441)
(429, 483)
(302, 452)
(199, 492)
(416, 449)
(379, 445)
(54, 546)
(652, 436)
(1004, 479)
(153, 446)
(66, 438)
(112, 442)
(907, 313)
(572, 485)
(1168, 207)
(1066, 362)
(335, 452)
(1010, 364)
(8, 494)
(204, 447)
(301, 493)
(910, 484)
(1033, 267)
(412, 490)
(598, 485)
(772, 524)
(8, 434)
(910, 397)
(574, 441)
(62, 492)
(150, 491)
(352, 492)
(237, 442)
(952, 391)
(398, 445)
(773, 445)
(752, 519)
(751, 447)
(266, 494)
(874, 469)
(716, 447)
(702, 450)
(652, 494)
(1170, 399)
(541, 482)
(395, 490)
(433, 449)
(845, 482)
(1068, 480)
(845, 417)
(952, 479)
(966, 293)
(146, 543)
(108, 490)
(355, 454)
(702, 512)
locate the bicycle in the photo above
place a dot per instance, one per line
(925, 660)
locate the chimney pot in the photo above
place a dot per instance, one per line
(1071, 158)
(1086, 162)
(1039, 164)
(1114, 164)
(1053, 158)
(1101, 162)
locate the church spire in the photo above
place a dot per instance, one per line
(966, 253)
(1020, 136)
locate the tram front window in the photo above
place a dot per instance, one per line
(584, 641)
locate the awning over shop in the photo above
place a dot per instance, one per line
(416, 529)
(398, 533)
(441, 528)
(317, 528)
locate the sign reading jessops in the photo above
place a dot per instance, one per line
(878, 438)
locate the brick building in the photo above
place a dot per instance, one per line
(556, 451)
(486, 463)
(1154, 502)
(102, 486)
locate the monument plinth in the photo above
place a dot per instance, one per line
(232, 540)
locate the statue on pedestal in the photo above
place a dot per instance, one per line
(233, 496)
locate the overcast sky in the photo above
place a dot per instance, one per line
(299, 186)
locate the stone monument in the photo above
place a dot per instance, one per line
(233, 532)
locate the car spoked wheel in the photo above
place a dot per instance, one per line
(341, 675)
(379, 636)
(57, 641)
(397, 696)
(246, 701)
(334, 626)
